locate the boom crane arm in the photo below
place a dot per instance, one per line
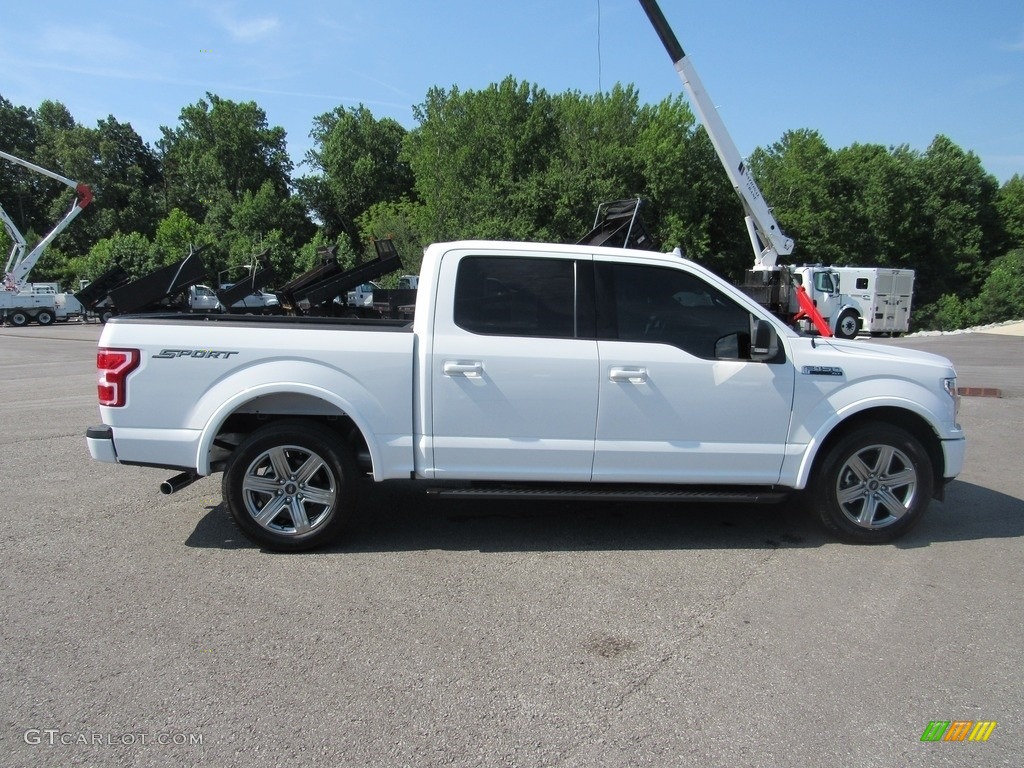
(19, 264)
(766, 237)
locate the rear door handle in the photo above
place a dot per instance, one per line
(471, 370)
(633, 375)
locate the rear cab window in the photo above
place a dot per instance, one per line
(512, 296)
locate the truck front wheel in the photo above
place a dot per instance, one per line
(847, 325)
(290, 486)
(873, 485)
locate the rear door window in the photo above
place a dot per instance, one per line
(513, 296)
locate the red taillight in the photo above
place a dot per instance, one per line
(114, 365)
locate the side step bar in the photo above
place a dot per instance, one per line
(753, 495)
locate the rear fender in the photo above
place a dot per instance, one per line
(306, 381)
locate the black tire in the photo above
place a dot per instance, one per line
(45, 317)
(873, 485)
(846, 325)
(105, 315)
(290, 486)
(18, 319)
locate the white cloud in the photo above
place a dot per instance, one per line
(245, 29)
(93, 42)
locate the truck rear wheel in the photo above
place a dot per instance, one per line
(290, 486)
(45, 317)
(847, 325)
(18, 318)
(873, 485)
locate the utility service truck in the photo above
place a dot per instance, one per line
(22, 302)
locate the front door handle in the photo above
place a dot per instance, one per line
(471, 370)
(632, 375)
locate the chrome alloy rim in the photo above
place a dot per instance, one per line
(876, 486)
(289, 490)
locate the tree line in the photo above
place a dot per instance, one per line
(511, 161)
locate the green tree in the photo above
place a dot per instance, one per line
(311, 254)
(401, 221)
(132, 252)
(17, 194)
(36, 202)
(221, 147)
(26, 195)
(245, 248)
(358, 163)
(958, 200)
(263, 209)
(949, 313)
(480, 161)
(1010, 205)
(882, 220)
(177, 235)
(593, 158)
(692, 203)
(129, 180)
(1002, 295)
(799, 178)
(111, 159)
(17, 127)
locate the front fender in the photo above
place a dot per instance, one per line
(832, 412)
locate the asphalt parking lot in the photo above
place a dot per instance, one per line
(142, 630)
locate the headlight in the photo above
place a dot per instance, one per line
(950, 386)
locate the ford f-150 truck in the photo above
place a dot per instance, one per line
(532, 370)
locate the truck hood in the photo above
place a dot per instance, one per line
(839, 352)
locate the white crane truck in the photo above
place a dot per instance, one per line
(531, 370)
(805, 295)
(21, 302)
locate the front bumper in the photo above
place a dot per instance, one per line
(953, 452)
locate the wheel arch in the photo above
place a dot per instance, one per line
(855, 313)
(908, 420)
(256, 407)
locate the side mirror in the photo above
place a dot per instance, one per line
(765, 343)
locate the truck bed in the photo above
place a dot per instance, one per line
(192, 375)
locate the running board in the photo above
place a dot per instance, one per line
(616, 493)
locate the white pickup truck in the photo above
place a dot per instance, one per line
(532, 370)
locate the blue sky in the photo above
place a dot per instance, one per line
(890, 73)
